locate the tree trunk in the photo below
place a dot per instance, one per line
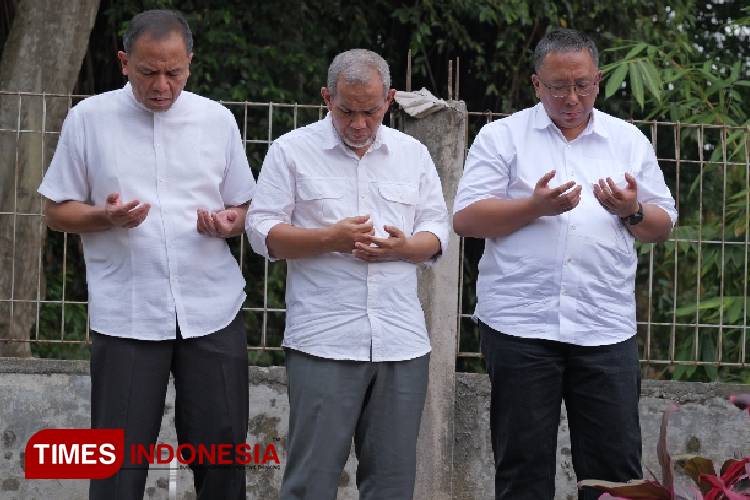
(43, 54)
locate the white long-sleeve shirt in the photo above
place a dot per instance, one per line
(569, 277)
(339, 307)
(142, 280)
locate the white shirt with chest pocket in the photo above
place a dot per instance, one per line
(339, 307)
(569, 277)
(144, 279)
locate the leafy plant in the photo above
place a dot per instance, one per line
(732, 482)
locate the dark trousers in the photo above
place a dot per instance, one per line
(129, 383)
(530, 378)
(378, 403)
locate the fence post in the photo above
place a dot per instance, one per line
(443, 132)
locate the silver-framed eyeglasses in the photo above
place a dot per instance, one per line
(582, 88)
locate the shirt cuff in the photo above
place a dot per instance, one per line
(257, 234)
(671, 212)
(460, 204)
(234, 201)
(59, 196)
(441, 232)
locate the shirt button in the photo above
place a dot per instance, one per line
(573, 227)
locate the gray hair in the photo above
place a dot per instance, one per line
(564, 40)
(355, 66)
(157, 23)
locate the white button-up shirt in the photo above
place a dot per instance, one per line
(339, 307)
(191, 156)
(569, 277)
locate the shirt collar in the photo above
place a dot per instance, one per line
(332, 139)
(541, 120)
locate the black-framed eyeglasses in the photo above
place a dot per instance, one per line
(582, 88)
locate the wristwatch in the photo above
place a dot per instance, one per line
(636, 218)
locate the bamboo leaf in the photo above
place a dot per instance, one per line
(708, 353)
(636, 50)
(734, 73)
(615, 80)
(713, 303)
(636, 82)
(651, 77)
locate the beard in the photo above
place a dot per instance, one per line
(359, 144)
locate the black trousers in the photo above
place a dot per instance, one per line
(129, 383)
(529, 379)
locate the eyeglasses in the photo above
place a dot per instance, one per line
(582, 88)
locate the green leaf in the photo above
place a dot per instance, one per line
(733, 307)
(713, 303)
(636, 82)
(734, 73)
(708, 353)
(636, 50)
(651, 77)
(615, 80)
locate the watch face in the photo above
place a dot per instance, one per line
(636, 217)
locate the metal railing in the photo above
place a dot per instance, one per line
(59, 288)
(691, 291)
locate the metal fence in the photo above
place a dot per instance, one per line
(691, 291)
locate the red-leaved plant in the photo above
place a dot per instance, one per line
(732, 482)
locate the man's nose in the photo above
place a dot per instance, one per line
(571, 98)
(358, 121)
(161, 83)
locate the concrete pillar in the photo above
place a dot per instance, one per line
(443, 132)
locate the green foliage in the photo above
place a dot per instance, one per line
(695, 73)
(661, 61)
(674, 82)
(495, 40)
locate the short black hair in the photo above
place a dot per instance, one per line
(157, 23)
(564, 40)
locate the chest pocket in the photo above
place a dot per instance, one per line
(397, 204)
(319, 200)
(602, 227)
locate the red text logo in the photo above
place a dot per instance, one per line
(205, 454)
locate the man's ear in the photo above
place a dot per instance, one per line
(537, 84)
(390, 96)
(326, 94)
(123, 58)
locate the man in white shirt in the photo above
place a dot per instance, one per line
(560, 191)
(154, 179)
(353, 206)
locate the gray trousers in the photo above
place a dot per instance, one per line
(128, 386)
(378, 403)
